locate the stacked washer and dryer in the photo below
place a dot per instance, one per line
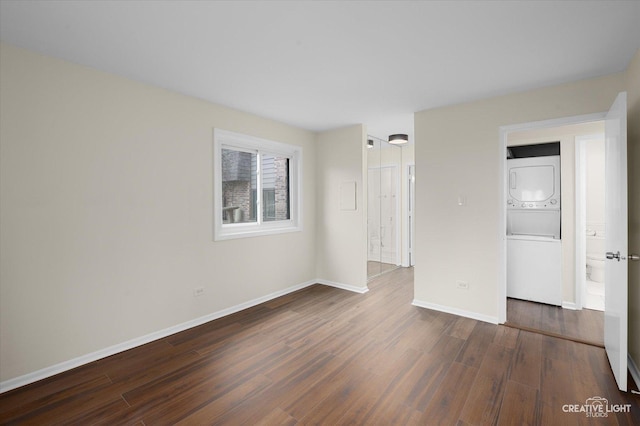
(534, 246)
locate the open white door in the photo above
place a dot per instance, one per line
(616, 273)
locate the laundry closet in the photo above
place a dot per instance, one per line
(534, 223)
(547, 170)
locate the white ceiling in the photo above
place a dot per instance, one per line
(321, 65)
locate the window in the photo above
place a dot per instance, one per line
(256, 186)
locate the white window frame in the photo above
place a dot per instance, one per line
(236, 141)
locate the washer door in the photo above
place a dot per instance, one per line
(532, 184)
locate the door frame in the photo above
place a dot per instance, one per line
(410, 203)
(502, 192)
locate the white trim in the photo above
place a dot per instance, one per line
(342, 286)
(633, 369)
(502, 219)
(455, 311)
(555, 122)
(410, 218)
(570, 305)
(398, 215)
(502, 227)
(26, 379)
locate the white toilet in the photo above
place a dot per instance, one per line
(595, 253)
(595, 267)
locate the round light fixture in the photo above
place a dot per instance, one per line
(398, 139)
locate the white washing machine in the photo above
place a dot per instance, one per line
(534, 269)
(534, 247)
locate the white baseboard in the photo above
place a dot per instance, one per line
(17, 382)
(570, 305)
(455, 311)
(634, 370)
(343, 286)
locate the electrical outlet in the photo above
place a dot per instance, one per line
(462, 285)
(198, 291)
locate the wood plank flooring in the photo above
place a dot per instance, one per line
(586, 324)
(328, 356)
(375, 269)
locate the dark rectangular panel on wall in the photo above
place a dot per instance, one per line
(536, 150)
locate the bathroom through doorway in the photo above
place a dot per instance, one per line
(590, 229)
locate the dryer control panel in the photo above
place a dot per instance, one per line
(549, 204)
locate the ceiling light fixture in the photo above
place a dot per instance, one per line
(398, 139)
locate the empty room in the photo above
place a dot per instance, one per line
(319, 212)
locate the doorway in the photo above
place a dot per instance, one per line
(590, 229)
(569, 320)
(384, 162)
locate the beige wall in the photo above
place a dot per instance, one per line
(106, 205)
(106, 213)
(341, 234)
(566, 135)
(458, 153)
(633, 135)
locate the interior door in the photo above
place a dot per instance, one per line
(616, 273)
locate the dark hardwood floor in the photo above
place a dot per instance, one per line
(585, 325)
(328, 356)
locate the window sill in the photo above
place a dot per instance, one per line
(230, 232)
